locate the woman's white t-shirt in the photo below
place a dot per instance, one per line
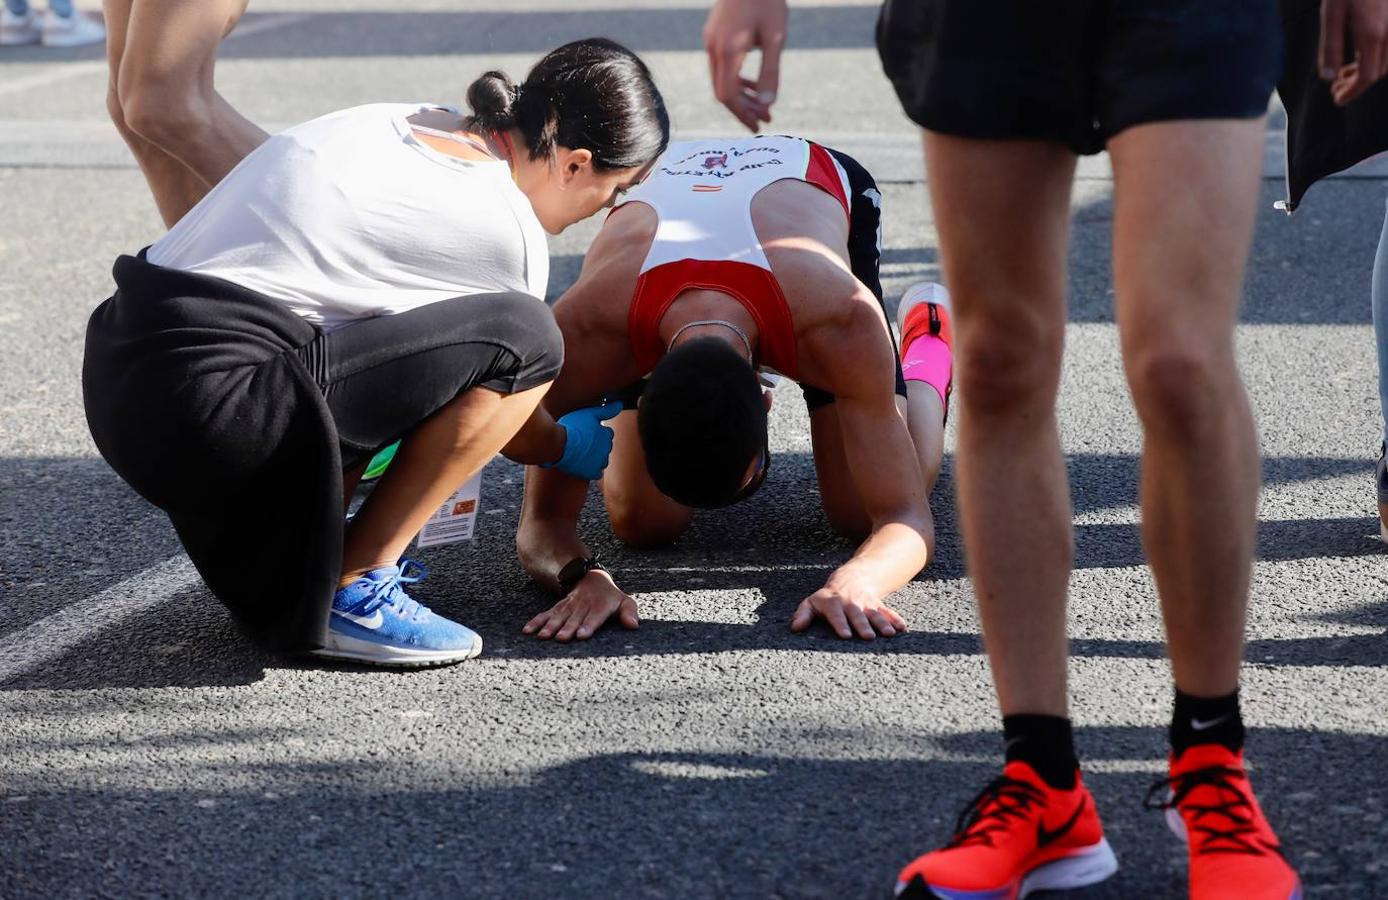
(351, 216)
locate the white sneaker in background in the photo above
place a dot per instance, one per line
(76, 30)
(16, 30)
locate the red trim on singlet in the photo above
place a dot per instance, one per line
(751, 285)
(823, 174)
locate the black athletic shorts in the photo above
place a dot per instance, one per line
(383, 376)
(1077, 71)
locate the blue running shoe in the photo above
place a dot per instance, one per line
(374, 621)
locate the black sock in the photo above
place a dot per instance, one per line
(1046, 744)
(1206, 720)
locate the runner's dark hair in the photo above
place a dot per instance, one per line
(592, 94)
(702, 422)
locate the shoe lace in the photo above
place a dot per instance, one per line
(1004, 799)
(1231, 805)
(389, 593)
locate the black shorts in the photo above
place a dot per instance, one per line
(383, 376)
(1077, 71)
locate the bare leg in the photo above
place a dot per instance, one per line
(165, 93)
(925, 419)
(1180, 245)
(176, 189)
(440, 455)
(640, 514)
(1009, 313)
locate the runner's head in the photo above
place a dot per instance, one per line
(586, 123)
(702, 421)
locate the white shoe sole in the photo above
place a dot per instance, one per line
(1086, 866)
(340, 646)
(1091, 865)
(915, 295)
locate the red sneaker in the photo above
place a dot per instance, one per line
(1234, 854)
(1017, 836)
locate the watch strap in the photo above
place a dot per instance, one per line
(574, 571)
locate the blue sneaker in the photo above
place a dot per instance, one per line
(374, 621)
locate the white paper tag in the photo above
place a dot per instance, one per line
(453, 522)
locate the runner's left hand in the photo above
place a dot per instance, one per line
(849, 611)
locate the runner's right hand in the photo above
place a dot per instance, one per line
(579, 615)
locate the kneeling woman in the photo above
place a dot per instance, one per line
(370, 275)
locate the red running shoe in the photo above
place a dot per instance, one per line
(1234, 854)
(1017, 836)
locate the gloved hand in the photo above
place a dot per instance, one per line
(587, 442)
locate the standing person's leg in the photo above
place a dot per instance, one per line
(1379, 294)
(164, 94)
(1178, 290)
(1180, 245)
(1009, 313)
(175, 187)
(1002, 211)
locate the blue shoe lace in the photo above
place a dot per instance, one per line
(389, 593)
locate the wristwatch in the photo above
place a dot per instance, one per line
(574, 570)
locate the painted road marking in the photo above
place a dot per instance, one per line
(52, 637)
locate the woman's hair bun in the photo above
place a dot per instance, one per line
(492, 99)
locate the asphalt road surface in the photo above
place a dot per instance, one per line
(146, 749)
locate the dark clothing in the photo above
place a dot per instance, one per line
(383, 376)
(208, 399)
(196, 396)
(1322, 138)
(1077, 71)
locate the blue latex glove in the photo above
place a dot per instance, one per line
(587, 442)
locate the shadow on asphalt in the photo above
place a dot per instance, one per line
(382, 33)
(640, 824)
(64, 516)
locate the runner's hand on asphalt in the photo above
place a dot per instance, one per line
(579, 615)
(849, 611)
(587, 441)
(733, 29)
(1366, 23)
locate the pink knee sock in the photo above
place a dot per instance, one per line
(928, 359)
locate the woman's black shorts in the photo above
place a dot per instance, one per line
(1077, 71)
(385, 375)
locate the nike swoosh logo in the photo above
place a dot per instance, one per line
(1203, 724)
(1045, 836)
(372, 621)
